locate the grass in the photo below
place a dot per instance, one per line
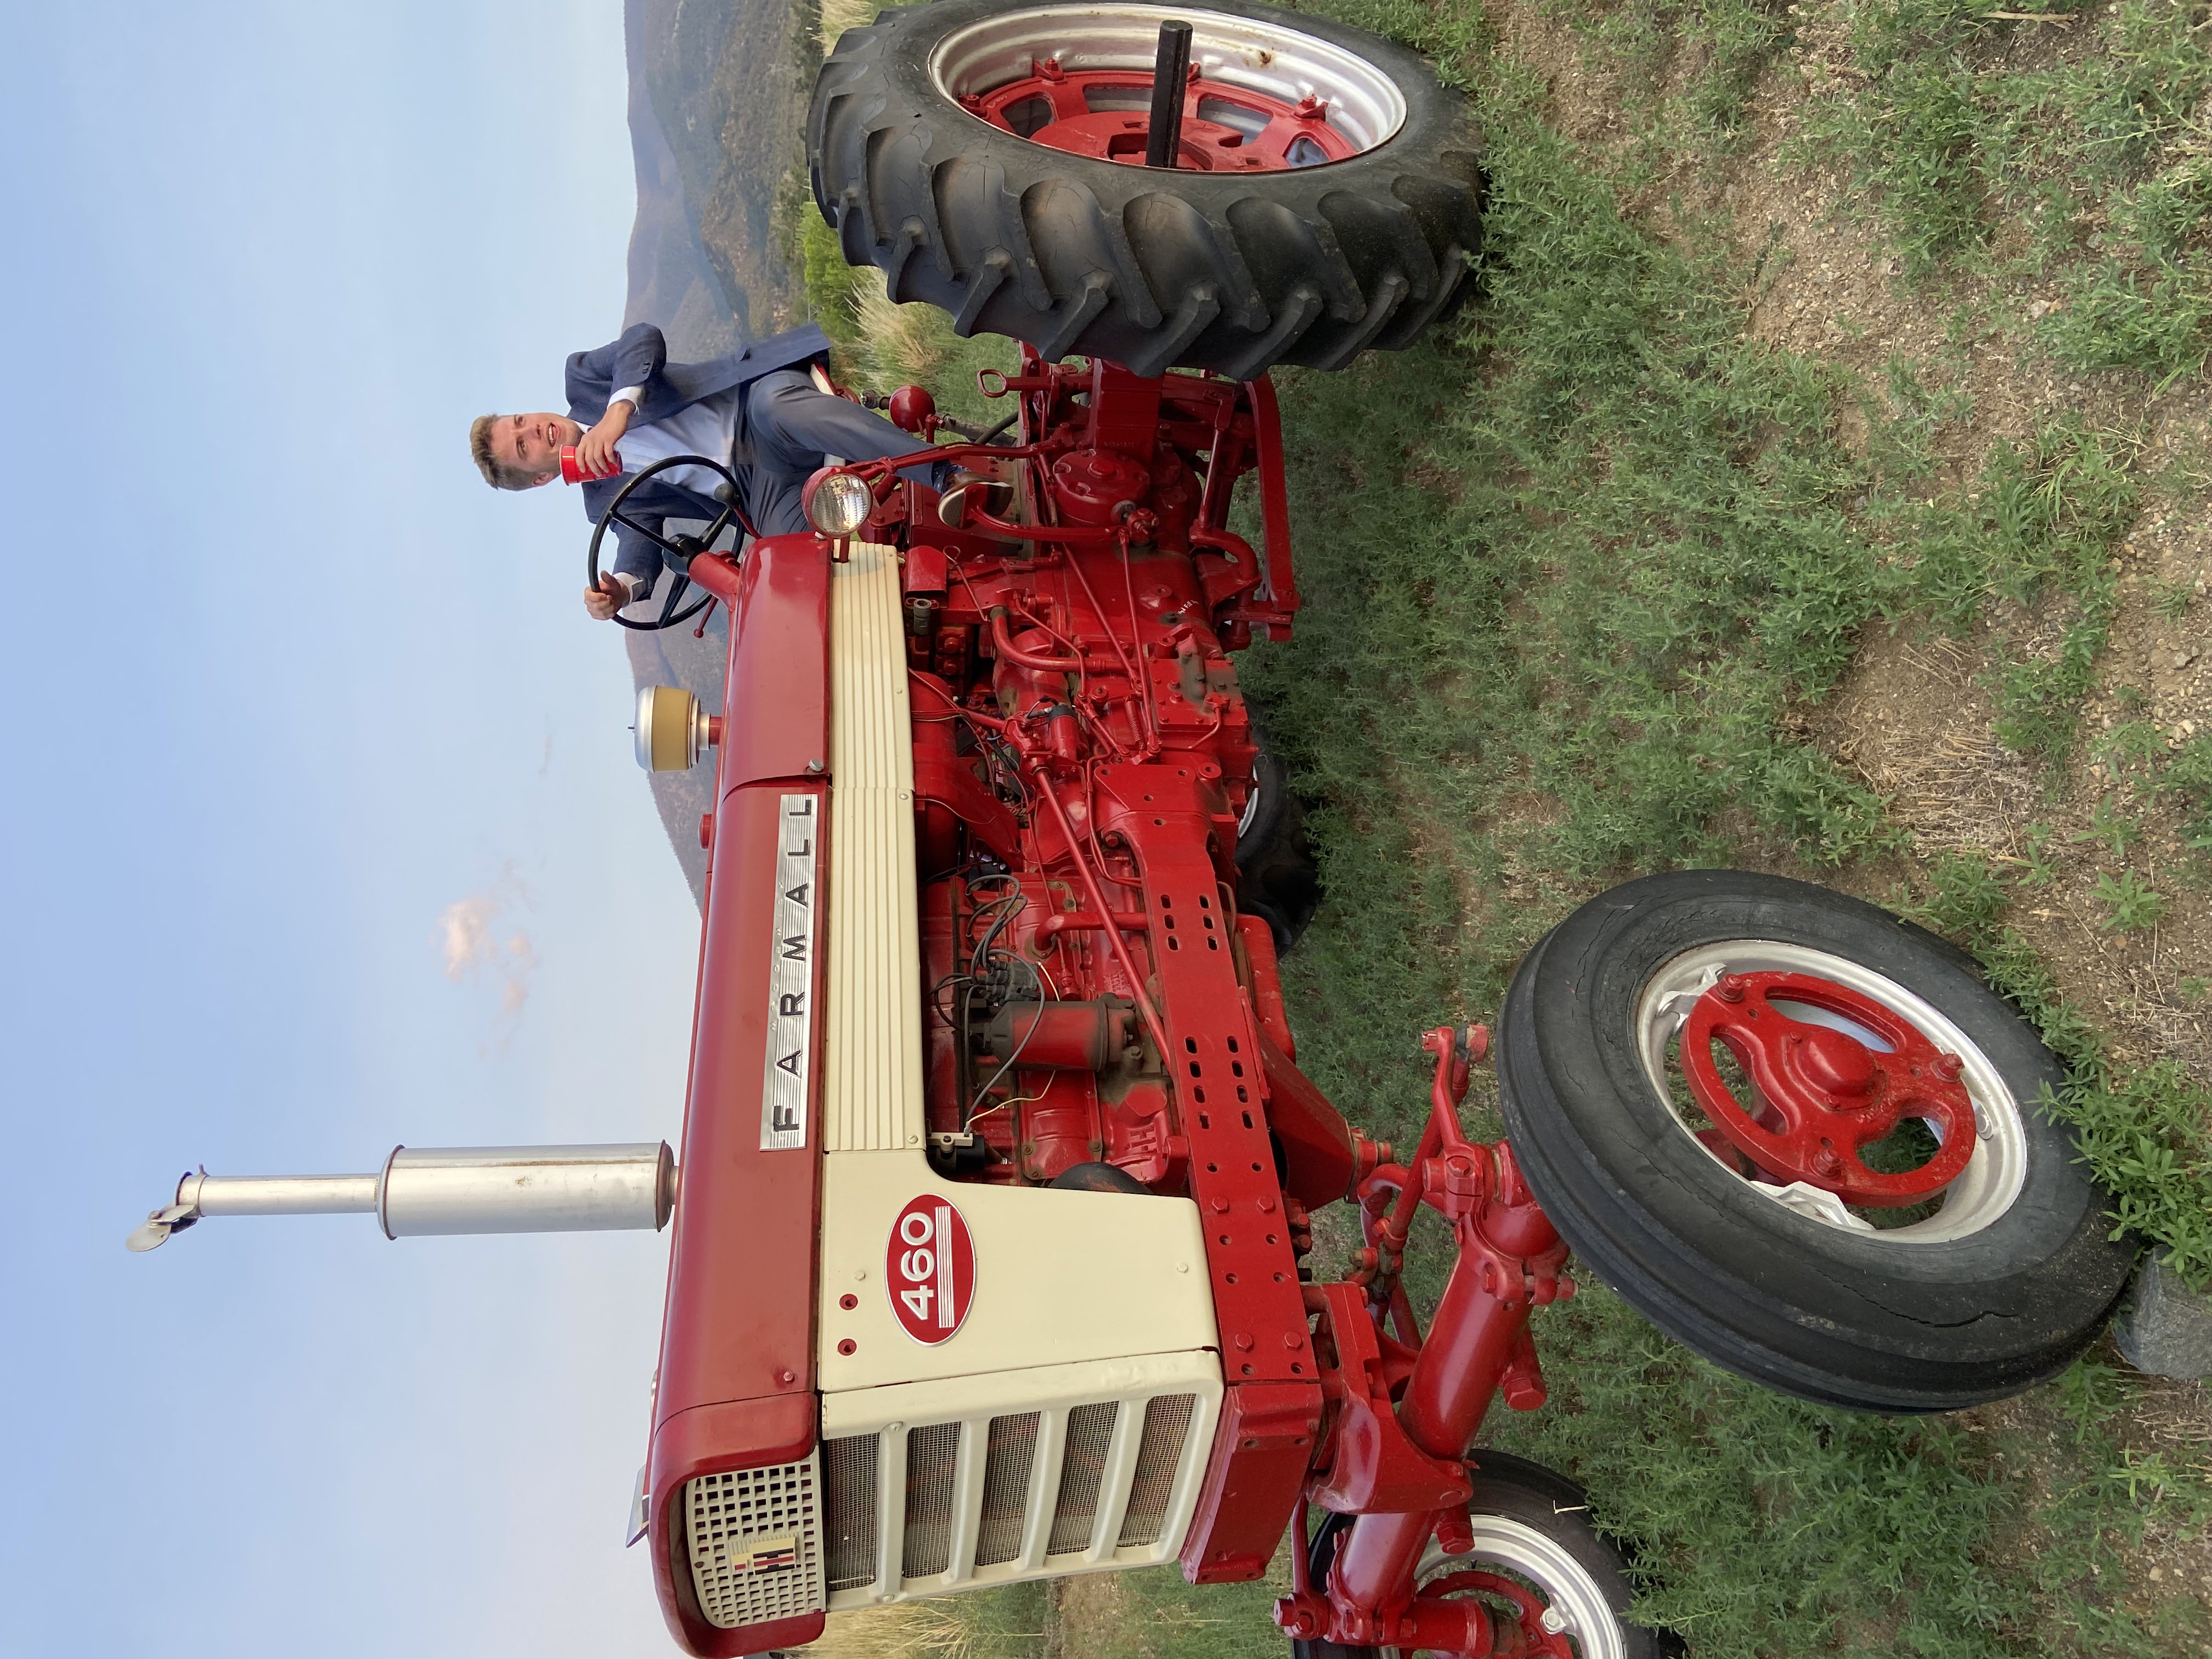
(1987, 141)
(1581, 578)
(1005, 1624)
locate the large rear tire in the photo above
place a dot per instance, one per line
(1230, 269)
(1998, 1277)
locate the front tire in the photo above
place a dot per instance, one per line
(1533, 1526)
(1230, 271)
(1998, 1280)
(1276, 878)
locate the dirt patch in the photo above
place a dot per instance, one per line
(1089, 1615)
(1912, 718)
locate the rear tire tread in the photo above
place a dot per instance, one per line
(1384, 238)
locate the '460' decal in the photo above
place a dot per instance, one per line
(930, 1269)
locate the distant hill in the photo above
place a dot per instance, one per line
(715, 105)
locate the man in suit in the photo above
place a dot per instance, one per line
(757, 409)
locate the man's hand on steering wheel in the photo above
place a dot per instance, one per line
(677, 551)
(609, 597)
(595, 450)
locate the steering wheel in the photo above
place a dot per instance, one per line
(679, 550)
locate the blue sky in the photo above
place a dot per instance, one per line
(288, 683)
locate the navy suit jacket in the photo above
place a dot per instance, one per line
(640, 358)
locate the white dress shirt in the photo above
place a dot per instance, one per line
(708, 428)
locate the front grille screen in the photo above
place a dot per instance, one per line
(1075, 1512)
(985, 1512)
(933, 1459)
(1005, 1488)
(755, 1539)
(849, 1472)
(1167, 1422)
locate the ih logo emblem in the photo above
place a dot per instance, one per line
(930, 1269)
(777, 1555)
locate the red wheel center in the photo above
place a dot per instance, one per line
(1107, 114)
(1820, 1097)
(1837, 1063)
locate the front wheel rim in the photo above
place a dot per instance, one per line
(1576, 1606)
(1971, 1201)
(1262, 97)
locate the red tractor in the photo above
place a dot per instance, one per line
(992, 1248)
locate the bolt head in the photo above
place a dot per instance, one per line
(1730, 989)
(1950, 1067)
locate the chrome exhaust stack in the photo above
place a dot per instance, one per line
(428, 1191)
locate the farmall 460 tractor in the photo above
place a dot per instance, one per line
(993, 1250)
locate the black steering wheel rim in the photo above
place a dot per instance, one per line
(678, 551)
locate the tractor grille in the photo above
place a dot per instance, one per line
(1167, 1424)
(932, 1455)
(850, 1501)
(1082, 1467)
(1020, 1496)
(1005, 1488)
(754, 1537)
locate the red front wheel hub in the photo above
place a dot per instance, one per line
(1818, 1095)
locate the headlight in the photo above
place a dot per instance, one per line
(839, 503)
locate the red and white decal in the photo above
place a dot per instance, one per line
(930, 1268)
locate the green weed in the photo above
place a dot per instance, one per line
(2187, 781)
(2132, 752)
(2171, 600)
(2134, 904)
(2112, 827)
(2155, 320)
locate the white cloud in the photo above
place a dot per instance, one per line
(479, 939)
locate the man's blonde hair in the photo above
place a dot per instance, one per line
(496, 473)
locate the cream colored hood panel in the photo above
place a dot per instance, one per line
(1059, 1276)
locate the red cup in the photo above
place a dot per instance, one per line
(572, 469)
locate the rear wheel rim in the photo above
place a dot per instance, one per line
(1974, 1199)
(1263, 97)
